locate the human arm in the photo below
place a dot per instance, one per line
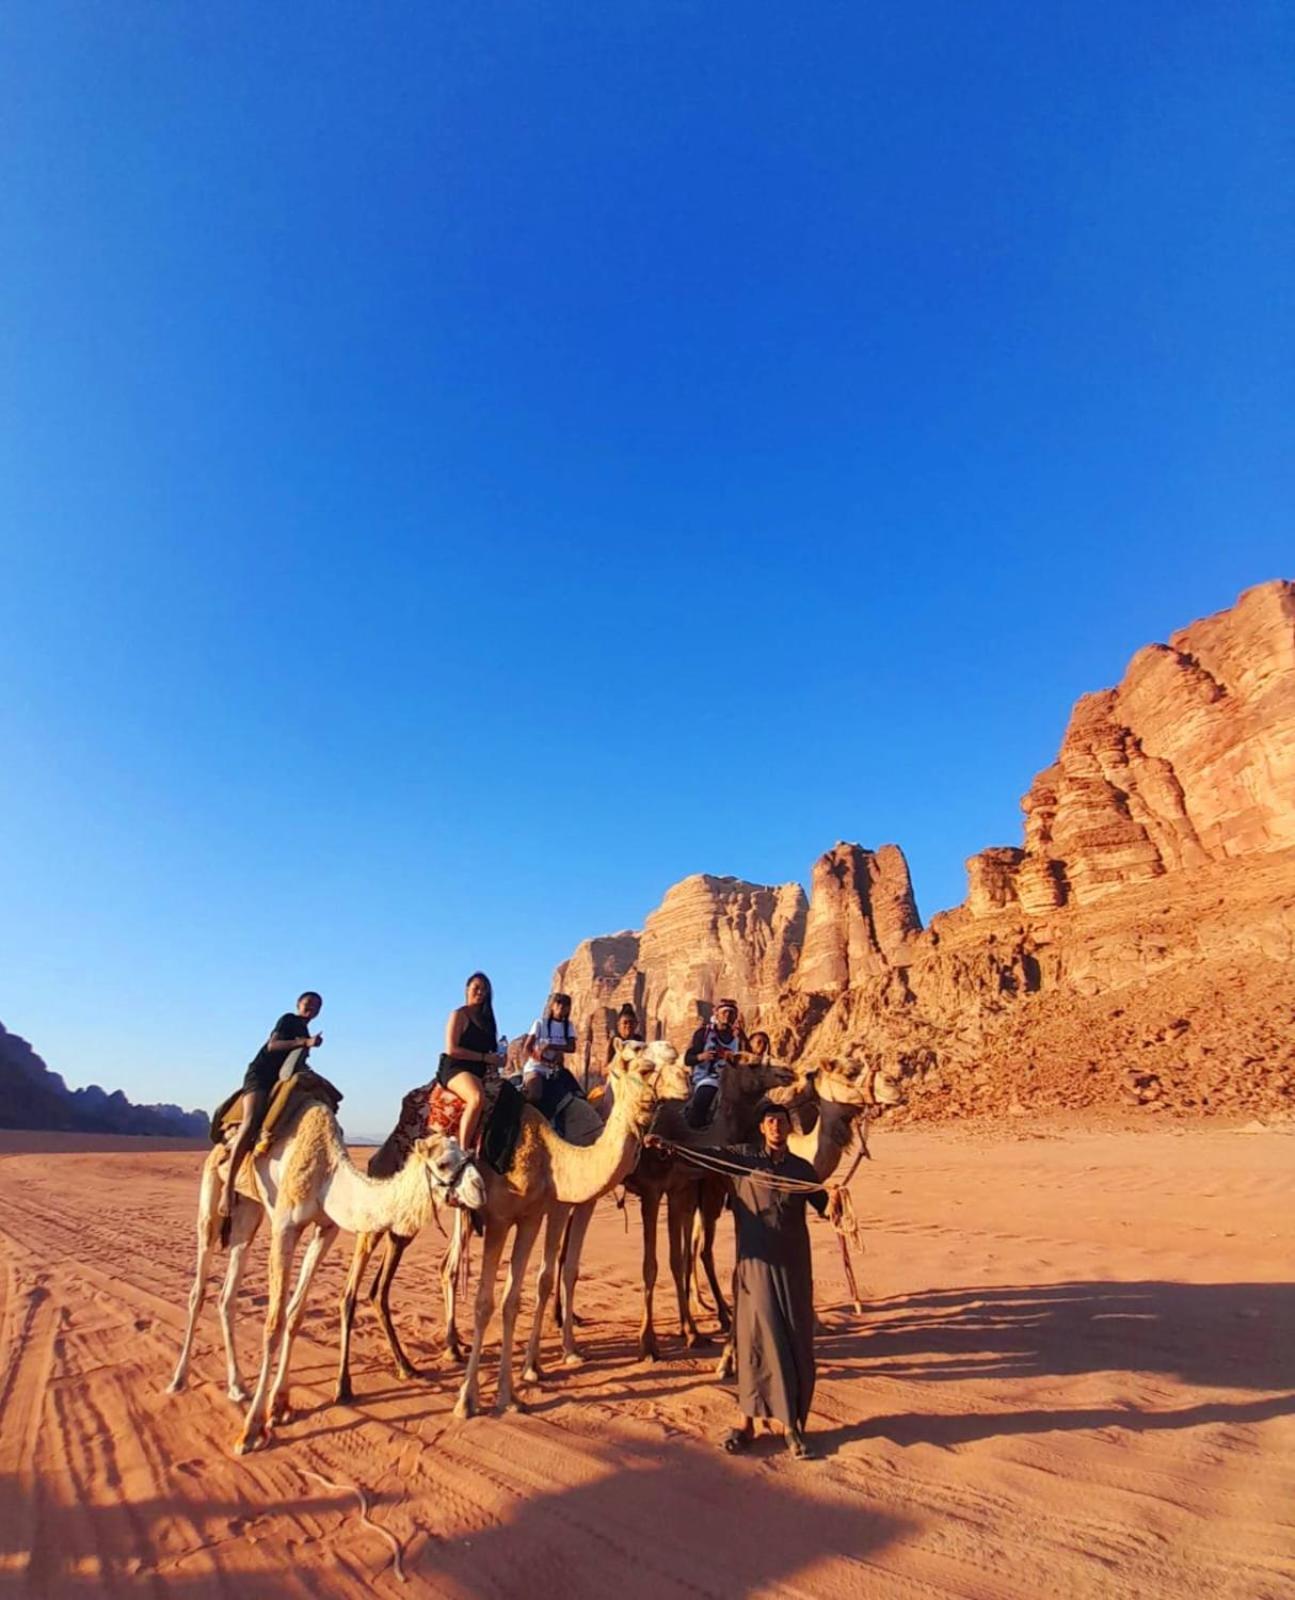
(291, 1033)
(696, 1051)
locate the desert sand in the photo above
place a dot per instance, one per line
(1074, 1378)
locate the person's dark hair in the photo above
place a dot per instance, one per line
(627, 1010)
(556, 999)
(310, 994)
(771, 1108)
(484, 1014)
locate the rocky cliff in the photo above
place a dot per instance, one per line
(31, 1096)
(1138, 947)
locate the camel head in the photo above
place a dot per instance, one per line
(856, 1080)
(451, 1178)
(643, 1064)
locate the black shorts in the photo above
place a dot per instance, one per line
(450, 1068)
(261, 1077)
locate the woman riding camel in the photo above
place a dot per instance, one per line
(547, 1080)
(471, 1038)
(628, 1028)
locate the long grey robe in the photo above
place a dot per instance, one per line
(773, 1312)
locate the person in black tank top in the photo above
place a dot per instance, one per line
(470, 1040)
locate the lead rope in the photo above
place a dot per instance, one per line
(840, 1211)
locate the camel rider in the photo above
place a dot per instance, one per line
(758, 1050)
(628, 1030)
(547, 1081)
(284, 1052)
(716, 1042)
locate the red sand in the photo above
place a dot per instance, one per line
(1075, 1379)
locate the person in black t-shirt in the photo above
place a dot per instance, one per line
(291, 1032)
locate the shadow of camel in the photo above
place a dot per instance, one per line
(1215, 1335)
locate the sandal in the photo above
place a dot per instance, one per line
(736, 1440)
(799, 1447)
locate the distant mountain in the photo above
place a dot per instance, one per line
(31, 1096)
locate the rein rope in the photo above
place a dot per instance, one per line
(840, 1212)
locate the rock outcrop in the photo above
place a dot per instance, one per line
(31, 1096)
(1190, 760)
(708, 937)
(1137, 948)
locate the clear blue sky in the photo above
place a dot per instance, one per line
(464, 467)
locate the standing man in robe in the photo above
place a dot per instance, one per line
(773, 1309)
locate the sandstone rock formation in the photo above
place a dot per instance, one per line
(1191, 759)
(1138, 948)
(708, 937)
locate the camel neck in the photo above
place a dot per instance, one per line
(583, 1172)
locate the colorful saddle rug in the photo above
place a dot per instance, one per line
(501, 1119)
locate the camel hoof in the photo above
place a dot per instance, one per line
(513, 1404)
(532, 1375)
(281, 1410)
(573, 1358)
(407, 1374)
(176, 1385)
(238, 1394)
(344, 1395)
(724, 1366)
(465, 1407)
(697, 1340)
(649, 1352)
(250, 1439)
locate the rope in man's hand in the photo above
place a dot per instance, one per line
(840, 1203)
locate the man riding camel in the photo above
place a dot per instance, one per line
(713, 1044)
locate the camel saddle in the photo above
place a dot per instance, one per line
(501, 1118)
(286, 1099)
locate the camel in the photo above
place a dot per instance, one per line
(308, 1177)
(548, 1176)
(582, 1124)
(660, 1177)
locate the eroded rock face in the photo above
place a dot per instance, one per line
(710, 937)
(862, 918)
(1138, 948)
(1191, 759)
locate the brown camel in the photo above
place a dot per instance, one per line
(548, 1176)
(308, 1178)
(659, 1176)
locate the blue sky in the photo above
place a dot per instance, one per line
(463, 468)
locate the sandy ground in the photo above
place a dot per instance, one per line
(1075, 1377)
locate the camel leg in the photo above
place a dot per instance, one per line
(460, 1241)
(364, 1247)
(244, 1228)
(397, 1244)
(316, 1250)
(573, 1244)
(727, 1363)
(555, 1224)
(283, 1247)
(562, 1261)
(712, 1206)
(496, 1235)
(524, 1237)
(649, 1207)
(679, 1214)
(206, 1249)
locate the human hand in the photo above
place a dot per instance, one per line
(315, 1043)
(653, 1141)
(492, 1060)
